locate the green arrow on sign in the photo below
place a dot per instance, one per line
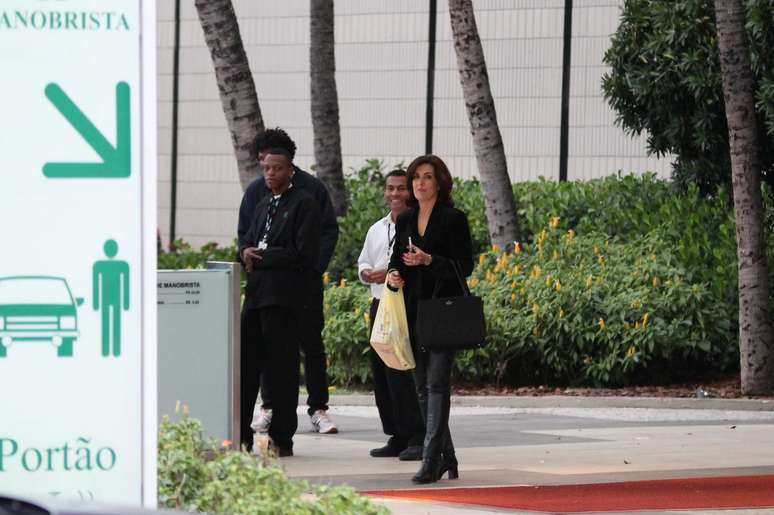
(116, 161)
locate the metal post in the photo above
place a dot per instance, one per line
(430, 77)
(566, 67)
(175, 90)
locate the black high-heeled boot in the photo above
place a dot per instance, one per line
(429, 472)
(449, 458)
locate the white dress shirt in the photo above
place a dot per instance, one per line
(377, 250)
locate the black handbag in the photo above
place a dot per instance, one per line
(451, 323)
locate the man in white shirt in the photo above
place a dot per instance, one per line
(394, 390)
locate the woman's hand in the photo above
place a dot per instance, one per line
(395, 280)
(416, 256)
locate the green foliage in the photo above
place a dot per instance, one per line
(665, 81)
(346, 333)
(691, 234)
(183, 256)
(589, 310)
(200, 476)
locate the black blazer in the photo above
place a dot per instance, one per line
(447, 238)
(286, 274)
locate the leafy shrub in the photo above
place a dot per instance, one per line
(585, 309)
(182, 256)
(346, 332)
(198, 475)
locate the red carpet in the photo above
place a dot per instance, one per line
(691, 493)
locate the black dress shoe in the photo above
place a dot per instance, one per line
(411, 453)
(388, 451)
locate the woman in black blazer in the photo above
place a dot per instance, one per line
(429, 238)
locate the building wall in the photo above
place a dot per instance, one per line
(381, 59)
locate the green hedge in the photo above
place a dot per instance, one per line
(693, 322)
(199, 475)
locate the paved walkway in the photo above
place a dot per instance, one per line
(549, 441)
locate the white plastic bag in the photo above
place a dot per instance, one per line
(390, 336)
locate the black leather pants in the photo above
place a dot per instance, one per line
(432, 377)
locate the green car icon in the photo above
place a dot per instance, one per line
(38, 308)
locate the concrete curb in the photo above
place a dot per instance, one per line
(563, 401)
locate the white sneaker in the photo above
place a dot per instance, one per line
(262, 421)
(322, 423)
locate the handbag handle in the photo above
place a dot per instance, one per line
(463, 283)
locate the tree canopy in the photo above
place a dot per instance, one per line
(665, 81)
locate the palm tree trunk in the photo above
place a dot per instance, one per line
(325, 103)
(756, 338)
(487, 141)
(235, 83)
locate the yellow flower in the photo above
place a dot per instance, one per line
(561, 313)
(472, 283)
(627, 325)
(631, 351)
(343, 283)
(596, 249)
(513, 298)
(558, 286)
(548, 280)
(513, 285)
(601, 259)
(535, 272)
(602, 324)
(655, 282)
(536, 332)
(516, 247)
(589, 281)
(645, 319)
(357, 312)
(636, 304)
(495, 249)
(535, 308)
(556, 254)
(637, 325)
(481, 259)
(367, 318)
(587, 360)
(554, 223)
(570, 234)
(326, 278)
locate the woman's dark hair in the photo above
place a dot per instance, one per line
(274, 138)
(442, 177)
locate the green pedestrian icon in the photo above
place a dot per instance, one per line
(110, 278)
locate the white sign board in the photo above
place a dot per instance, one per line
(77, 265)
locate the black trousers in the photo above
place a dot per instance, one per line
(432, 378)
(310, 323)
(396, 399)
(270, 356)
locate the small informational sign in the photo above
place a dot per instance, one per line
(198, 329)
(77, 266)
